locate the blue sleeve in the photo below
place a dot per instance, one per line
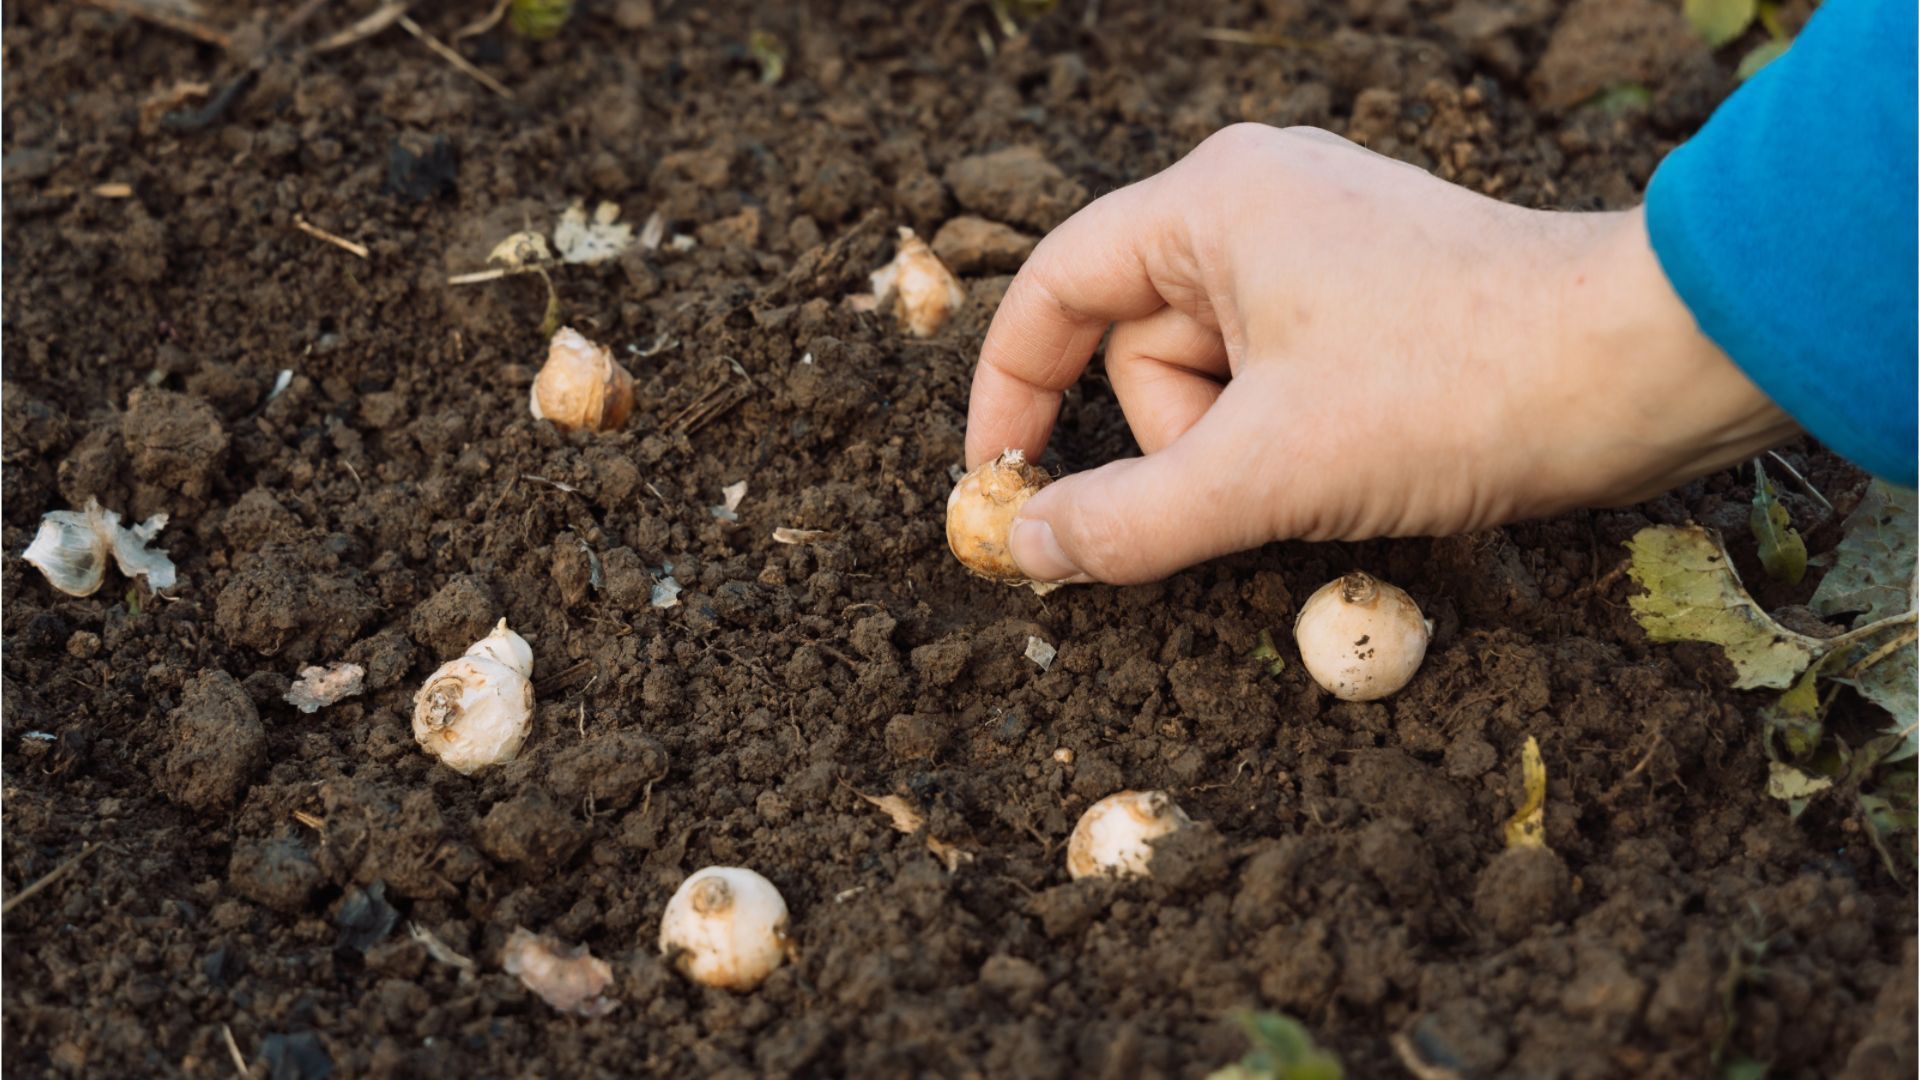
(1787, 226)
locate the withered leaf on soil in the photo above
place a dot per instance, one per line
(566, 977)
(1528, 826)
(1873, 564)
(1693, 594)
(908, 820)
(1782, 552)
(1873, 574)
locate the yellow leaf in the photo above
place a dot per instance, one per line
(1528, 826)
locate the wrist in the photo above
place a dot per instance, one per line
(1664, 405)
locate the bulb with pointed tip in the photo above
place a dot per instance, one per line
(726, 926)
(980, 514)
(580, 387)
(1114, 835)
(925, 293)
(477, 709)
(1360, 638)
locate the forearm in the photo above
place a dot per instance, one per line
(1787, 227)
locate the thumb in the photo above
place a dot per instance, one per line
(1141, 519)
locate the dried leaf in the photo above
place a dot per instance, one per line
(1693, 594)
(322, 686)
(566, 977)
(1785, 781)
(1782, 552)
(1528, 826)
(908, 820)
(1886, 677)
(784, 535)
(1873, 565)
(584, 242)
(521, 249)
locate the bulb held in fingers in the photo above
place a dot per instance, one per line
(980, 514)
(1361, 638)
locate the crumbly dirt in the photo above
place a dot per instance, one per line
(255, 869)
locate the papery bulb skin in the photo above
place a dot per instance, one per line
(580, 387)
(925, 293)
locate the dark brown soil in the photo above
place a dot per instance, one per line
(257, 867)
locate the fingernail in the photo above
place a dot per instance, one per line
(1039, 554)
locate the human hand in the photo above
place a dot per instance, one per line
(1313, 341)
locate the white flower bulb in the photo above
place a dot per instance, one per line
(1113, 836)
(478, 709)
(1361, 638)
(726, 926)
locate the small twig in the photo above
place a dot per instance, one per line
(51, 876)
(311, 821)
(1801, 480)
(1862, 633)
(179, 23)
(1882, 653)
(495, 274)
(335, 239)
(1227, 36)
(381, 18)
(447, 53)
(485, 23)
(233, 1051)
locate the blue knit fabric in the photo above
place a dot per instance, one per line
(1788, 227)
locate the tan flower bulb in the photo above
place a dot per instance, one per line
(580, 387)
(478, 709)
(980, 513)
(726, 926)
(1114, 835)
(1361, 638)
(925, 293)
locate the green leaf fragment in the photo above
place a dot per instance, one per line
(1282, 1050)
(1266, 651)
(1891, 684)
(1782, 552)
(1760, 56)
(1720, 21)
(1693, 594)
(767, 51)
(538, 20)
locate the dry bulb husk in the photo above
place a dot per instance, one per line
(1361, 638)
(72, 546)
(580, 387)
(1114, 836)
(924, 292)
(726, 926)
(478, 709)
(980, 512)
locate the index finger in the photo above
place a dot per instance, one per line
(1091, 271)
